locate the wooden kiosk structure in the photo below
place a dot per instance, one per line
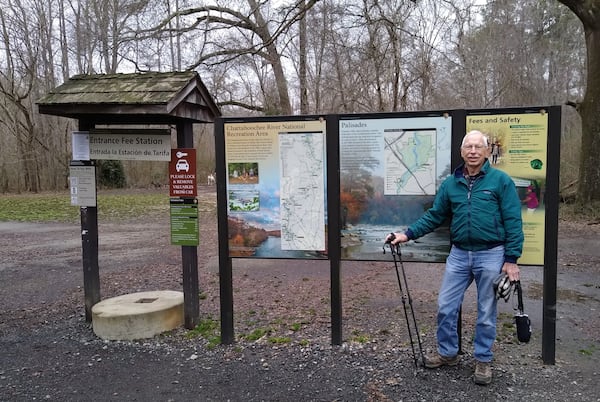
(177, 99)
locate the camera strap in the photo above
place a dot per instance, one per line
(519, 293)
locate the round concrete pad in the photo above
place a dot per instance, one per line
(138, 315)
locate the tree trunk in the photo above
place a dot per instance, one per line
(302, 67)
(588, 188)
(589, 168)
(274, 58)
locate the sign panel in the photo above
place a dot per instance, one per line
(182, 173)
(184, 222)
(518, 146)
(390, 170)
(80, 144)
(276, 188)
(82, 183)
(302, 195)
(130, 144)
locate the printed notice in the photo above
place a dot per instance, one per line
(80, 143)
(184, 222)
(82, 180)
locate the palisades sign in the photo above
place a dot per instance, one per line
(122, 144)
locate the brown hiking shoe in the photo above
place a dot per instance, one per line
(438, 360)
(483, 373)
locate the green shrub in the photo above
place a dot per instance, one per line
(110, 174)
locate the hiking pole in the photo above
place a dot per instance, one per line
(397, 256)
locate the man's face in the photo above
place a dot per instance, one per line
(473, 151)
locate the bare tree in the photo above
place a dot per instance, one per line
(230, 33)
(17, 80)
(589, 108)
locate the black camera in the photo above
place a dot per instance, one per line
(523, 325)
(522, 321)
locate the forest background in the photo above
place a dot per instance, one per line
(299, 57)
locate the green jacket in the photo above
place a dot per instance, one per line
(484, 216)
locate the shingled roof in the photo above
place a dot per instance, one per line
(139, 97)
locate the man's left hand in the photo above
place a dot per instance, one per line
(512, 270)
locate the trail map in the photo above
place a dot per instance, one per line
(302, 197)
(410, 158)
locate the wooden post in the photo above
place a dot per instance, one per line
(551, 237)
(189, 254)
(225, 262)
(89, 250)
(334, 225)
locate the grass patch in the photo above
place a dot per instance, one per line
(38, 208)
(56, 207)
(506, 328)
(358, 337)
(280, 340)
(588, 351)
(256, 334)
(207, 329)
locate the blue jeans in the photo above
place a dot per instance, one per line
(462, 267)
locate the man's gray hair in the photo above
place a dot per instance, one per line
(485, 138)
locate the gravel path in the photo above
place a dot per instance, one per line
(49, 352)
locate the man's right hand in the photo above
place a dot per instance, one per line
(400, 238)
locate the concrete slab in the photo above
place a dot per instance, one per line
(138, 315)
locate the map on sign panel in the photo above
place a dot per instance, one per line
(410, 162)
(302, 192)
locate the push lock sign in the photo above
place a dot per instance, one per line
(182, 173)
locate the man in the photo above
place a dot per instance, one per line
(487, 238)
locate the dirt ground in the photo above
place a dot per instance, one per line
(49, 352)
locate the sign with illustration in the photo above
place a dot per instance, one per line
(276, 188)
(182, 173)
(518, 146)
(390, 170)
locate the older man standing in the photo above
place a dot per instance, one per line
(487, 238)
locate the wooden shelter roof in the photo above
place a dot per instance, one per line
(138, 98)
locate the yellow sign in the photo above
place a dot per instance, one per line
(518, 146)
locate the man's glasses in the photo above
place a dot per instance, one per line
(469, 147)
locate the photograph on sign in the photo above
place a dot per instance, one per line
(244, 200)
(390, 170)
(518, 146)
(243, 173)
(276, 188)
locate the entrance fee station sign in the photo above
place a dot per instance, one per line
(130, 144)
